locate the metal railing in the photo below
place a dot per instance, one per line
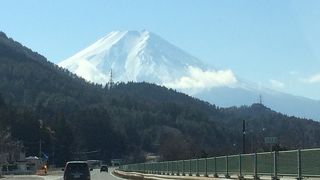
(295, 163)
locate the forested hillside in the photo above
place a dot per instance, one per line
(77, 119)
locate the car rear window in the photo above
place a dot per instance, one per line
(77, 168)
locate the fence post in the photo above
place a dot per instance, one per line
(183, 174)
(275, 166)
(206, 168)
(227, 167)
(150, 168)
(240, 177)
(190, 173)
(172, 168)
(215, 168)
(144, 167)
(255, 176)
(159, 167)
(162, 168)
(178, 168)
(299, 164)
(197, 167)
(167, 167)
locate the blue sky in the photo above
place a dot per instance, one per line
(273, 43)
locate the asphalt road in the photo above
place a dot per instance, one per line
(95, 175)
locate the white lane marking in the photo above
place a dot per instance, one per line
(22, 177)
(52, 177)
(116, 176)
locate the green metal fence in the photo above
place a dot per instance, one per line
(296, 163)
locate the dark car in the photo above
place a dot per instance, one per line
(76, 170)
(104, 168)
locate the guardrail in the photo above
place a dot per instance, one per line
(18, 172)
(295, 163)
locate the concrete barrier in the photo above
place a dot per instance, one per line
(126, 175)
(141, 176)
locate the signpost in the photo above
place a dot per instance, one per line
(271, 140)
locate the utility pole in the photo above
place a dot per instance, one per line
(53, 149)
(40, 148)
(243, 136)
(40, 143)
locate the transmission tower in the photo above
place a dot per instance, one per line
(111, 83)
(260, 99)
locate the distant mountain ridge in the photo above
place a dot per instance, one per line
(142, 56)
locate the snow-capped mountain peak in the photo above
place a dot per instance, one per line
(133, 56)
(144, 56)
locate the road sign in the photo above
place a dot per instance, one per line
(271, 140)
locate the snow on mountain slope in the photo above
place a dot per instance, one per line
(132, 56)
(143, 56)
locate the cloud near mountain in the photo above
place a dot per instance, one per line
(276, 84)
(313, 79)
(199, 79)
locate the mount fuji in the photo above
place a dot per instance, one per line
(144, 56)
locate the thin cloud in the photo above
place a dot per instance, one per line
(200, 79)
(294, 73)
(276, 84)
(312, 79)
